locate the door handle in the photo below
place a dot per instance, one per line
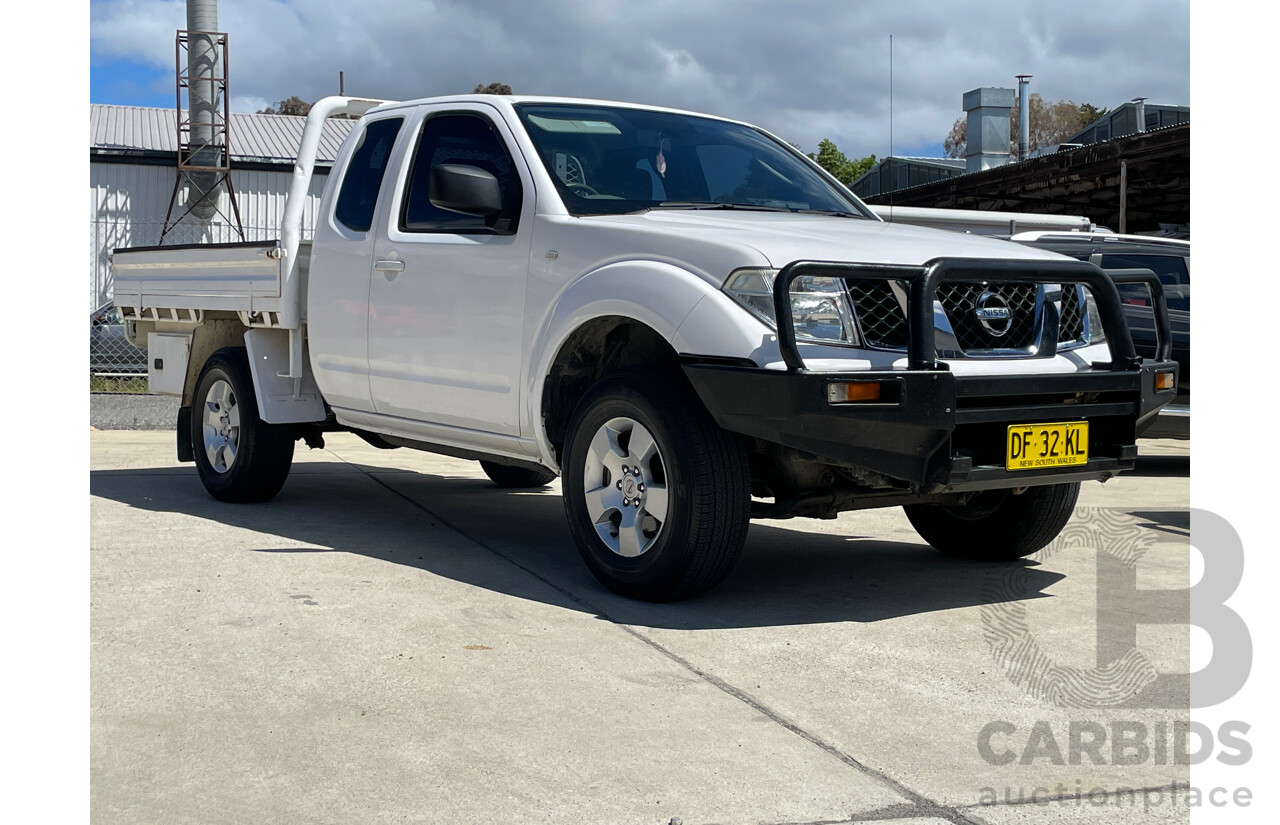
(389, 266)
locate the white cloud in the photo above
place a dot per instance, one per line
(802, 70)
(249, 103)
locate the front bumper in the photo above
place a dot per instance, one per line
(939, 432)
(943, 433)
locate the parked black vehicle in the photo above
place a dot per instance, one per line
(1171, 261)
(110, 353)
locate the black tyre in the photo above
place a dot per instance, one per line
(506, 476)
(657, 495)
(239, 457)
(997, 525)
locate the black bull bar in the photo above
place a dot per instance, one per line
(938, 431)
(923, 281)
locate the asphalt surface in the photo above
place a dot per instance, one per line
(395, 639)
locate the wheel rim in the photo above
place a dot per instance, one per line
(221, 426)
(625, 480)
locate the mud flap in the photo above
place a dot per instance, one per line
(185, 450)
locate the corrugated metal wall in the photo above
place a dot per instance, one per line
(127, 205)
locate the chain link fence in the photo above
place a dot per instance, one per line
(115, 365)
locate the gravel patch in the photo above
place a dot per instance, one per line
(133, 411)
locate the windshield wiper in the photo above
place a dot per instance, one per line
(753, 207)
(835, 213)
(747, 207)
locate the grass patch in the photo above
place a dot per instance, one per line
(136, 384)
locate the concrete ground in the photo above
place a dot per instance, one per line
(394, 639)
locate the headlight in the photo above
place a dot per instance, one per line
(820, 307)
(1096, 333)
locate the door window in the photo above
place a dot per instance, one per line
(469, 140)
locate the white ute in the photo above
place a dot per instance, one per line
(685, 318)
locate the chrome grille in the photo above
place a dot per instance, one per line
(1071, 319)
(880, 316)
(959, 301)
(882, 321)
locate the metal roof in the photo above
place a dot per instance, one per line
(953, 163)
(126, 129)
(1083, 181)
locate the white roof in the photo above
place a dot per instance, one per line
(1098, 235)
(127, 129)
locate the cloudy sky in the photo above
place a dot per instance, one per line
(804, 69)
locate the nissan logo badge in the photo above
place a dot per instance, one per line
(993, 313)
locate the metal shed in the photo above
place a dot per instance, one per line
(133, 165)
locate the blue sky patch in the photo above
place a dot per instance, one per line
(129, 83)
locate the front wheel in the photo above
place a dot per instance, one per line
(997, 525)
(239, 456)
(656, 493)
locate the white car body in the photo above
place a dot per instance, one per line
(680, 359)
(466, 366)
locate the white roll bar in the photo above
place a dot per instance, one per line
(291, 225)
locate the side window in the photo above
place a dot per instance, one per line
(462, 139)
(359, 194)
(1171, 269)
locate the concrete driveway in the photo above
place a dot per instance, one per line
(395, 639)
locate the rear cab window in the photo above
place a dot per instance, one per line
(362, 180)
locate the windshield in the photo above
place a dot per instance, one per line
(609, 160)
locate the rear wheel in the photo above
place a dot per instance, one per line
(997, 525)
(657, 495)
(239, 457)
(516, 477)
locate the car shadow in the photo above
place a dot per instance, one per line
(1175, 522)
(1161, 466)
(517, 543)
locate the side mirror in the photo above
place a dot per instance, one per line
(466, 189)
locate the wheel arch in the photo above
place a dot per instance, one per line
(261, 453)
(206, 339)
(622, 315)
(597, 348)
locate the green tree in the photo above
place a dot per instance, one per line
(491, 89)
(861, 166)
(1090, 113)
(297, 107)
(957, 139)
(290, 106)
(1051, 123)
(846, 171)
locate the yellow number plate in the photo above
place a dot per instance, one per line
(1042, 446)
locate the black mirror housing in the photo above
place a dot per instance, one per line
(469, 190)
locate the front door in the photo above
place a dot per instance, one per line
(446, 298)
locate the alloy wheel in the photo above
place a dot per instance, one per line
(625, 483)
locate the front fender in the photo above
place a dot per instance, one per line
(658, 295)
